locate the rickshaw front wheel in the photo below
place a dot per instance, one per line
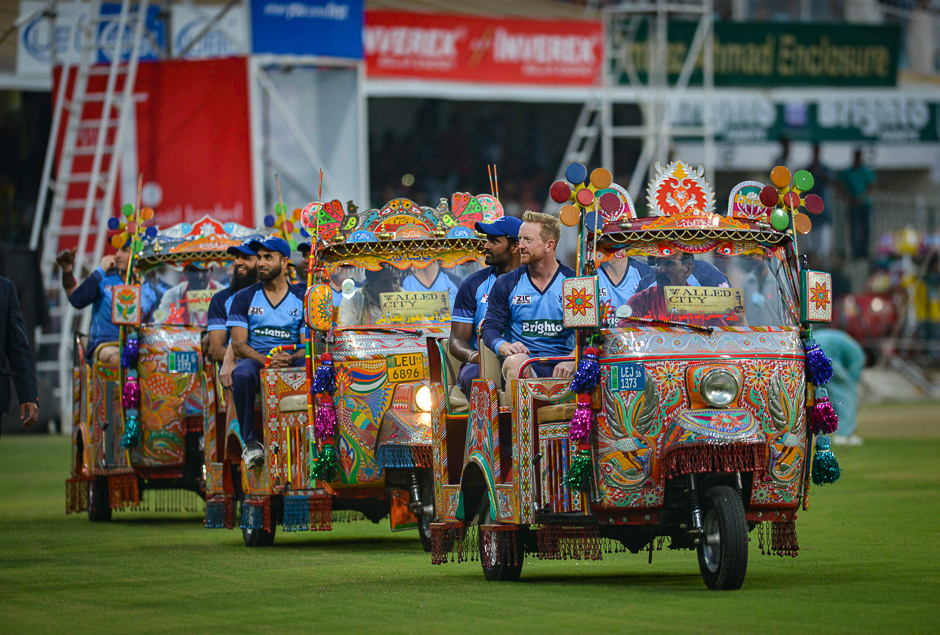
(258, 537)
(722, 554)
(99, 502)
(509, 552)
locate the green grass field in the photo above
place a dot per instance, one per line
(869, 562)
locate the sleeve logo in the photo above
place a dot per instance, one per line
(256, 310)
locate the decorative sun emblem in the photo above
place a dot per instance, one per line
(819, 296)
(579, 302)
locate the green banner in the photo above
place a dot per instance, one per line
(778, 54)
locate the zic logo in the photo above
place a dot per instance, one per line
(256, 310)
(522, 299)
(485, 299)
(542, 328)
(270, 331)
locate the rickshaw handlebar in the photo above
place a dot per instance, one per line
(542, 360)
(287, 348)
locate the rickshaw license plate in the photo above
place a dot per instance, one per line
(182, 362)
(408, 367)
(626, 376)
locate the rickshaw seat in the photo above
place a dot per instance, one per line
(100, 348)
(556, 413)
(455, 397)
(293, 403)
(491, 368)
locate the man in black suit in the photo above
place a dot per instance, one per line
(16, 359)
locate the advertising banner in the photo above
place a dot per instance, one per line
(227, 37)
(330, 28)
(34, 51)
(476, 49)
(189, 138)
(779, 54)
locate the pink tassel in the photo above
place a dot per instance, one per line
(580, 427)
(325, 424)
(823, 419)
(131, 396)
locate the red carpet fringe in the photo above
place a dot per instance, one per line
(456, 539)
(321, 513)
(76, 494)
(122, 491)
(561, 542)
(422, 455)
(696, 459)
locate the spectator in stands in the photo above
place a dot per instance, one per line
(820, 239)
(857, 181)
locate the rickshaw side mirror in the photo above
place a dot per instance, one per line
(815, 296)
(579, 302)
(318, 307)
(125, 304)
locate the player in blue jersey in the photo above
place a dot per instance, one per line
(337, 278)
(432, 278)
(263, 316)
(96, 291)
(524, 318)
(501, 253)
(617, 280)
(244, 274)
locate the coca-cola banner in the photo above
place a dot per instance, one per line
(478, 49)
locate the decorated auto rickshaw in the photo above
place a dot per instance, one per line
(138, 426)
(696, 417)
(351, 433)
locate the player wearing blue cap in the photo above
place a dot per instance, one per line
(501, 253)
(96, 291)
(524, 318)
(244, 274)
(263, 316)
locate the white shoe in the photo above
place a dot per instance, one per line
(856, 440)
(253, 455)
(839, 439)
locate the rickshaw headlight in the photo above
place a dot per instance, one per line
(423, 399)
(719, 388)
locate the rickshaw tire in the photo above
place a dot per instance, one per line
(502, 572)
(99, 502)
(259, 537)
(426, 485)
(723, 504)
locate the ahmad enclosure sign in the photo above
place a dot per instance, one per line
(778, 54)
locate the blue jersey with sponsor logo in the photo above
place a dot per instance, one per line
(616, 295)
(96, 290)
(268, 326)
(472, 299)
(443, 282)
(218, 311)
(518, 309)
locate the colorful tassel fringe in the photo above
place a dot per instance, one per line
(818, 366)
(131, 429)
(580, 427)
(131, 395)
(579, 474)
(825, 466)
(588, 373)
(823, 418)
(129, 353)
(324, 381)
(324, 469)
(325, 423)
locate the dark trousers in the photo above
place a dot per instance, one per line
(246, 384)
(860, 220)
(468, 372)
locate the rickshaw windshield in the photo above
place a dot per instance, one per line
(749, 288)
(183, 293)
(402, 297)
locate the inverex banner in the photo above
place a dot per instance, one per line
(477, 49)
(307, 27)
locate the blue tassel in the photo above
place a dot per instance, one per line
(588, 373)
(394, 456)
(129, 353)
(296, 513)
(252, 517)
(131, 436)
(818, 366)
(215, 515)
(825, 466)
(324, 381)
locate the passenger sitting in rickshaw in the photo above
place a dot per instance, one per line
(96, 290)
(263, 316)
(188, 302)
(628, 273)
(364, 307)
(338, 276)
(674, 271)
(244, 274)
(524, 318)
(501, 253)
(432, 278)
(762, 291)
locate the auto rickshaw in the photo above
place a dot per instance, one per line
(138, 426)
(693, 419)
(359, 441)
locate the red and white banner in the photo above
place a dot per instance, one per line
(485, 50)
(190, 140)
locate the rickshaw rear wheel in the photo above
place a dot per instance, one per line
(259, 537)
(426, 485)
(722, 554)
(502, 545)
(99, 501)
